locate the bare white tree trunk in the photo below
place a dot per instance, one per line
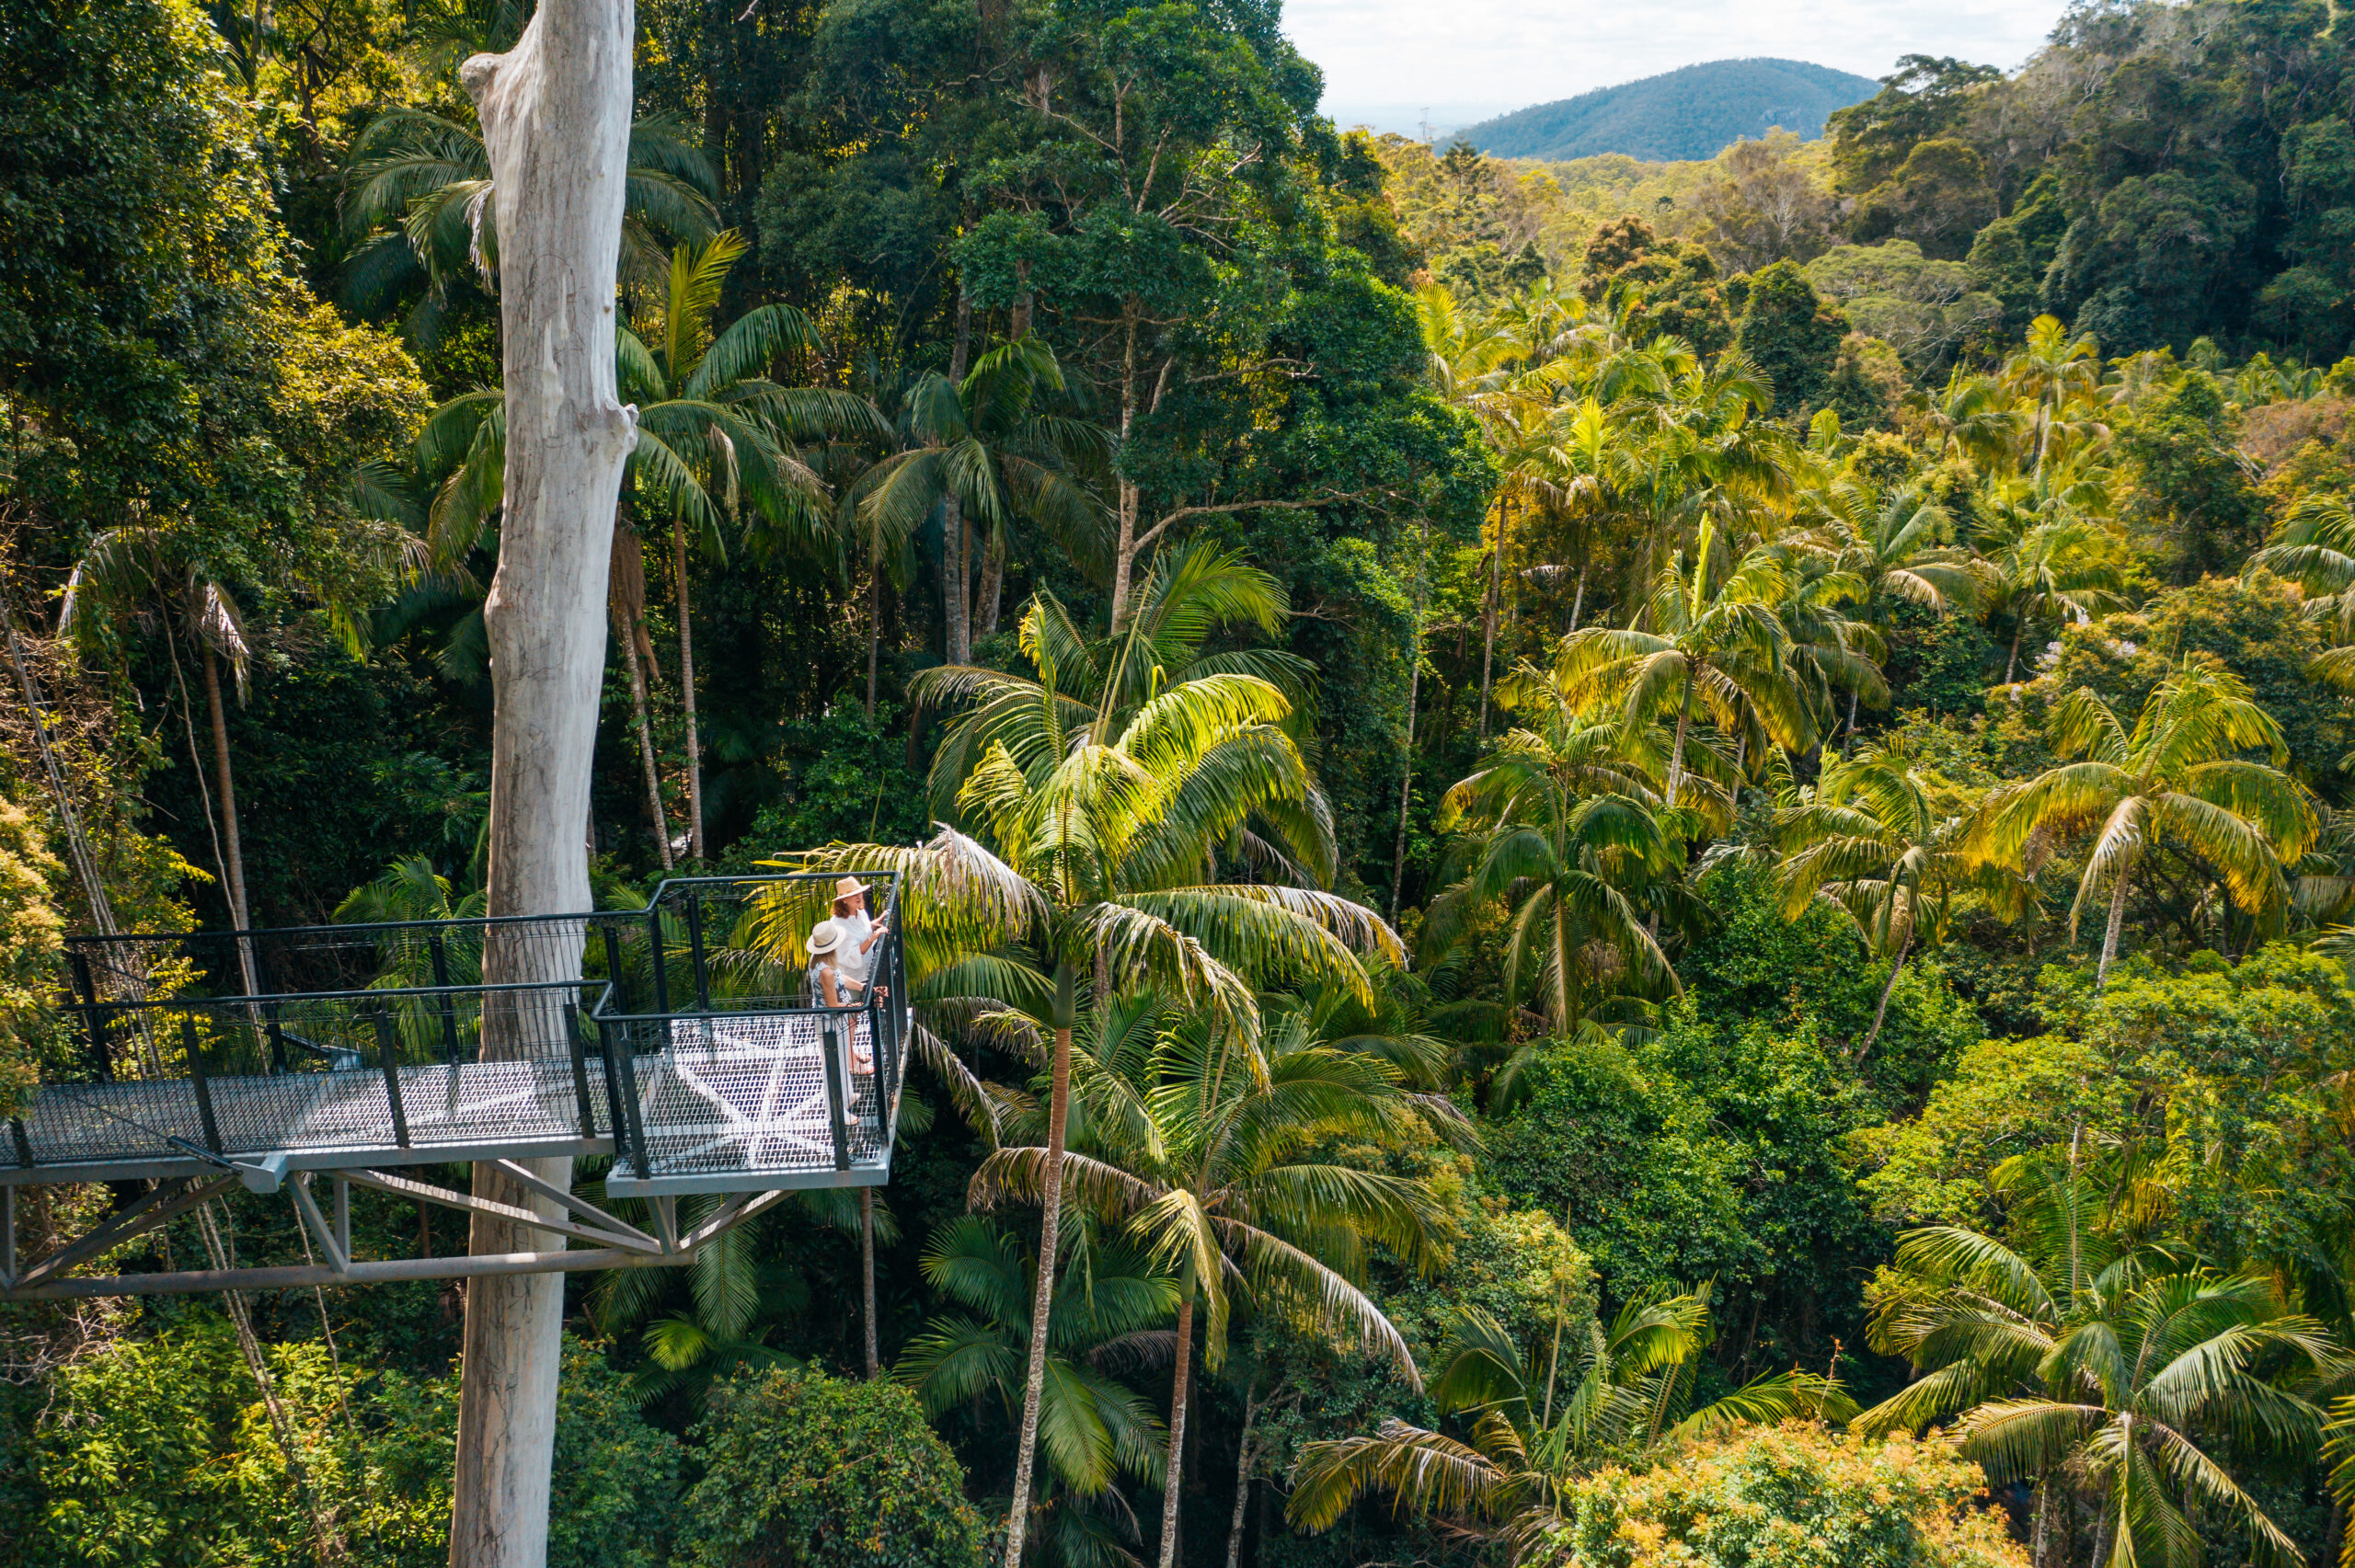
(556, 114)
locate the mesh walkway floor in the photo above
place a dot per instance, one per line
(729, 1103)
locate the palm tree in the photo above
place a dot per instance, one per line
(2314, 547)
(1104, 864)
(1629, 1396)
(1109, 1315)
(1894, 549)
(1710, 638)
(1211, 1148)
(2177, 776)
(2053, 372)
(1194, 592)
(717, 441)
(420, 205)
(1977, 418)
(1873, 839)
(1565, 839)
(2043, 556)
(994, 447)
(125, 576)
(2075, 1350)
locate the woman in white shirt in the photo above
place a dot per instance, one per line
(860, 929)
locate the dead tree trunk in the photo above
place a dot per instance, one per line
(555, 114)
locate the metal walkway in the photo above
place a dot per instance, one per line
(679, 1040)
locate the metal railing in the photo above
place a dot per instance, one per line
(724, 1062)
(681, 1037)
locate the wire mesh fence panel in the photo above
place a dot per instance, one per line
(740, 1069)
(683, 1036)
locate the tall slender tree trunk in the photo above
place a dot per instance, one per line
(1578, 600)
(2117, 922)
(1882, 1011)
(1488, 613)
(555, 114)
(1849, 740)
(993, 582)
(224, 784)
(956, 571)
(866, 1273)
(874, 626)
(1180, 1387)
(1042, 1297)
(1676, 753)
(2012, 665)
(1243, 1458)
(1414, 687)
(626, 592)
(955, 586)
(1128, 499)
(687, 688)
(641, 722)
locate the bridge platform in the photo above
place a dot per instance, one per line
(679, 1041)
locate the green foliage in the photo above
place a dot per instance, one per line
(800, 1468)
(1792, 336)
(30, 930)
(159, 1453)
(842, 779)
(1706, 1154)
(1924, 99)
(2194, 492)
(1787, 1498)
(2223, 1069)
(1926, 308)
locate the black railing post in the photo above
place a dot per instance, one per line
(661, 960)
(575, 1023)
(94, 1018)
(835, 1100)
(447, 1003)
(389, 1047)
(615, 997)
(617, 1120)
(269, 1009)
(202, 1086)
(634, 1120)
(695, 947)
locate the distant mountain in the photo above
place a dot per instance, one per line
(1692, 113)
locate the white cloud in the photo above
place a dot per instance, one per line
(1474, 53)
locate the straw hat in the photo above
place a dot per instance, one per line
(849, 886)
(825, 938)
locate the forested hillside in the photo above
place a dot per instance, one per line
(1686, 825)
(1695, 112)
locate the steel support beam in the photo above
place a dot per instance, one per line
(425, 1192)
(142, 1215)
(385, 1273)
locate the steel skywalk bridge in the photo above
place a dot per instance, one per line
(679, 1040)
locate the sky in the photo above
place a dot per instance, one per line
(1385, 60)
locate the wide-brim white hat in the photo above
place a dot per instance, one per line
(825, 938)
